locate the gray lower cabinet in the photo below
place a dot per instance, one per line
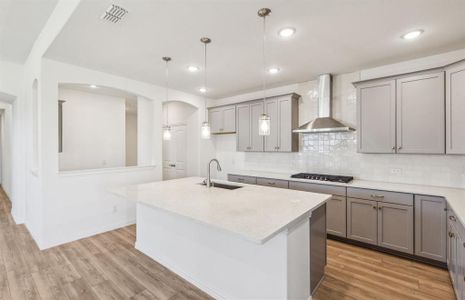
(395, 227)
(336, 216)
(273, 182)
(335, 207)
(362, 221)
(242, 179)
(430, 227)
(456, 254)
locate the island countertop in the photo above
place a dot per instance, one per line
(256, 213)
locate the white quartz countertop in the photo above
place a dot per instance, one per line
(256, 213)
(455, 196)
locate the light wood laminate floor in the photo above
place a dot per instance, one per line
(107, 266)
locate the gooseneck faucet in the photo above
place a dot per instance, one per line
(218, 167)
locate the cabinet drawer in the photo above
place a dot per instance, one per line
(242, 179)
(381, 196)
(273, 182)
(318, 188)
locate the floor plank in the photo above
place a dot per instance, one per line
(107, 266)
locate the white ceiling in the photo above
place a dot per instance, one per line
(21, 21)
(333, 36)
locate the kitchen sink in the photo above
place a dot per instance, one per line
(222, 185)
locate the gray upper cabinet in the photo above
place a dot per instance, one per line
(283, 112)
(362, 220)
(430, 227)
(376, 112)
(420, 114)
(222, 119)
(256, 140)
(395, 227)
(243, 127)
(247, 116)
(403, 114)
(455, 109)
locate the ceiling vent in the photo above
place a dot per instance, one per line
(114, 14)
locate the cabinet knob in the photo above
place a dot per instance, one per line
(452, 218)
(451, 234)
(400, 147)
(374, 207)
(380, 207)
(393, 147)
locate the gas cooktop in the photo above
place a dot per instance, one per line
(323, 177)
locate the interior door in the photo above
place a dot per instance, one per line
(175, 154)
(362, 220)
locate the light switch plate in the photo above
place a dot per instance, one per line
(396, 171)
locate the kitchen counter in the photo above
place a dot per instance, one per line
(254, 242)
(455, 197)
(256, 213)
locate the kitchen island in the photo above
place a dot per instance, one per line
(252, 242)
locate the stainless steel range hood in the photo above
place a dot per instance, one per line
(324, 122)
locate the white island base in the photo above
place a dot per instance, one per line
(226, 265)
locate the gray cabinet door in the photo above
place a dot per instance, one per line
(455, 109)
(229, 119)
(430, 227)
(243, 127)
(336, 216)
(256, 140)
(421, 114)
(286, 118)
(376, 115)
(215, 117)
(362, 220)
(395, 227)
(452, 252)
(271, 108)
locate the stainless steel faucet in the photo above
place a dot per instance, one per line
(218, 167)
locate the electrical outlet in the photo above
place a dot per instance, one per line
(396, 171)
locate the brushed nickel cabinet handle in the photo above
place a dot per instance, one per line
(377, 196)
(271, 183)
(452, 218)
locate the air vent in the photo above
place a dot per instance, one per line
(114, 14)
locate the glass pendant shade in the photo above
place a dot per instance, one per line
(167, 133)
(205, 130)
(264, 124)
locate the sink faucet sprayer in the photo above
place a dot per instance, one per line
(218, 167)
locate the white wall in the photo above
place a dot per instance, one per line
(94, 131)
(131, 139)
(336, 152)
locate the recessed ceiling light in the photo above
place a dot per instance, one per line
(203, 90)
(193, 68)
(286, 32)
(274, 70)
(412, 34)
(93, 86)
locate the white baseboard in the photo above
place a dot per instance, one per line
(83, 235)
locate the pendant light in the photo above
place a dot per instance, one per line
(264, 122)
(167, 127)
(205, 129)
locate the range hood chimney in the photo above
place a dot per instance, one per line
(324, 122)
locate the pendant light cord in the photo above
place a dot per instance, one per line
(205, 81)
(264, 58)
(166, 93)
